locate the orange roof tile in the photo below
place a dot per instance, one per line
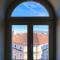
(39, 38)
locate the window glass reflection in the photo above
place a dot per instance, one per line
(40, 42)
(19, 42)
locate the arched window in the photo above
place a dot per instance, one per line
(31, 26)
(30, 9)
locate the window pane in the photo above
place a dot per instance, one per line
(40, 42)
(30, 9)
(19, 42)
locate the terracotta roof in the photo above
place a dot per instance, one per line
(39, 38)
(19, 38)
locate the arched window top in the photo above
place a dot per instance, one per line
(30, 8)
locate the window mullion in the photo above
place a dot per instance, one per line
(30, 42)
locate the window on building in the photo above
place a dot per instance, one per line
(30, 31)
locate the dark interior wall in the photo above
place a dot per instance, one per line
(56, 4)
(1, 30)
(4, 4)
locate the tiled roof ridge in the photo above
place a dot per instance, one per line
(40, 38)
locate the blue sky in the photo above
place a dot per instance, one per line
(23, 28)
(29, 9)
(40, 28)
(19, 28)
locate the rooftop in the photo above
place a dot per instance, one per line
(39, 38)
